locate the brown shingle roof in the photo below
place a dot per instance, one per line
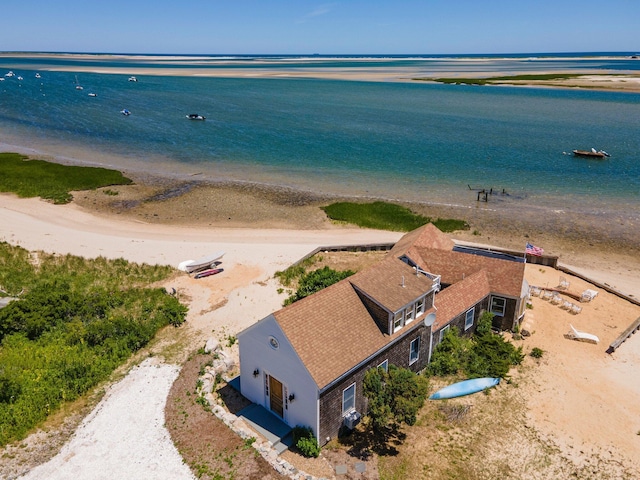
(332, 331)
(458, 298)
(427, 236)
(505, 277)
(392, 283)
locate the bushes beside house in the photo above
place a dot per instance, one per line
(484, 355)
(305, 441)
(394, 396)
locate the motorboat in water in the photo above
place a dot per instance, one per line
(37, 75)
(125, 112)
(133, 79)
(593, 153)
(196, 116)
(93, 94)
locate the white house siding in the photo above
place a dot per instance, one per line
(283, 364)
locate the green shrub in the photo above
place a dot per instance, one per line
(483, 355)
(536, 352)
(75, 322)
(305, 441)
(315, 281)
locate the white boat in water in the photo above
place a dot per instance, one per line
(133, 79)
(190, 266)
(125, 112)
(196, 116)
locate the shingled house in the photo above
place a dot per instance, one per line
(306, 362)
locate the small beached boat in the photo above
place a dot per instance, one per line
(208, 273)
(466, 387)
(593, 153)
(191, 266)
(196, 116)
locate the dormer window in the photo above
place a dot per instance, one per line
(408, 314)
(398, 320)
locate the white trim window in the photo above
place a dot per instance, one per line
(409, 314)
(497, 306)
(420, 306)
(384, 365)
(468, 319)
(443, 331)
(414, 352)
(398, 320)
(349, 399)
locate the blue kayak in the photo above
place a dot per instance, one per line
(466, 387)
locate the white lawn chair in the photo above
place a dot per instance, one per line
(564, 283)
(566, 305)
(588, 295)
(556, 299)
(575, 309)
(582, 336)
(534, 291)
(547, 295)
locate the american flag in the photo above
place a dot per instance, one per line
(533, 250)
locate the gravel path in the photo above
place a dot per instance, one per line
(124, 437)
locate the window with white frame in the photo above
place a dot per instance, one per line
(349, 399)
(443, 331)
(384, 365)
(497, 306)
(420, 307)
(409, 314)
(414, 351)
(468, 319)
(398, 320)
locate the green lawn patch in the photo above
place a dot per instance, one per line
(387, 216)
(52, 181)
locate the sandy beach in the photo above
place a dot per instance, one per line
(578, 398)
(591, 79)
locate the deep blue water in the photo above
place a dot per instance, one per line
(413, 141)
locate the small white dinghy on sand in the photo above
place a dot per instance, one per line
(191, 266)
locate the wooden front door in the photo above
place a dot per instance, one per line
(276, 397)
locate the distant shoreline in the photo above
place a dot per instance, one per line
(258, 66)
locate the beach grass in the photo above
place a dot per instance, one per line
(504, 79)
(387, 216)
(52, 181)
(74, 322)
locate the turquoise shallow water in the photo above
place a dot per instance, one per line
(409, 141)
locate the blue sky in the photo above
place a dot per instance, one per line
(306, 26)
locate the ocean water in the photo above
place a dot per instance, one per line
(416, 141)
